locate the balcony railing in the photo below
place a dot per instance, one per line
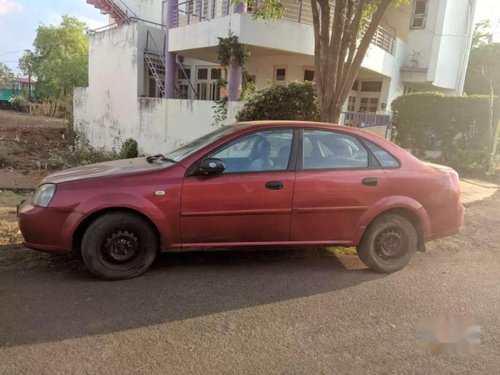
(194, 11)
(384, 39)
(365, 120)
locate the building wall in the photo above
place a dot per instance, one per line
(149, 10)
(158, 125)
(442, 46)
(397, 20)
(110, 110)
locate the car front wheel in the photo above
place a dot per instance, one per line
(390, 242)
(119, 245)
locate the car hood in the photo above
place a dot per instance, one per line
(106, 169)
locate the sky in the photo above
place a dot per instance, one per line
(20, 18)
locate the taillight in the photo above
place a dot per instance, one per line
(455, 180)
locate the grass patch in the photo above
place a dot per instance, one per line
(11, 198)
(340, 250)
(9, 230)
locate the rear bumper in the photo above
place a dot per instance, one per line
(450, 225)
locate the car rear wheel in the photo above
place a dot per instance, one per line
(389, 243)
(118, 246)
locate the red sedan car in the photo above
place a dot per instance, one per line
(250, 184)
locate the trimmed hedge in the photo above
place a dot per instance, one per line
(458, 126)
(295, 101)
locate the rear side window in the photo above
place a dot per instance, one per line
(324, 149)
(385, 159)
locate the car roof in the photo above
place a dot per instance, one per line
(306, 124)
(289, 123)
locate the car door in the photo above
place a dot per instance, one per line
(336, 182)
(250, 202)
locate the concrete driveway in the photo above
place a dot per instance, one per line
(474, 190)
(312, 311)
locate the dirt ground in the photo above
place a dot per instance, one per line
(30, 146)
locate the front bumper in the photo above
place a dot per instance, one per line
(46, 229)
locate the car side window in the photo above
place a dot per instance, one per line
(385, 159)
(325, 149)
(267, 150)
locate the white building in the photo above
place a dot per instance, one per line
(153, 71)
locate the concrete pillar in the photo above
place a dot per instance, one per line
(235, 79)
(170, 18)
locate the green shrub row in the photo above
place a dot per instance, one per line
(457, 126)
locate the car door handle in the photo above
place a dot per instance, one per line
(274, 185)
(370, 181)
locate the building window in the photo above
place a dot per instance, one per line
(202, 73)
(371, 86)
(183, 77)
(368, 105)
(355, 85)
(207, 83)
(351, 104)
(279, 74)
(419, 14)
(308, 75)
(215, 73)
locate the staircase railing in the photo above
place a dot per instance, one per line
(117, 9)
(149, 56)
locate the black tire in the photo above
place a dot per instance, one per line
(389, 243)
(119, 246)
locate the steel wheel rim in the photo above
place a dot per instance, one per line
(120, 248)
(391, 244)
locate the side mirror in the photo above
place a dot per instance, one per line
(211, 166)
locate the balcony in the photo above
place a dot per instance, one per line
(196, 11)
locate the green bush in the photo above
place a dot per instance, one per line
(458, 126)
(83, 156)
(295, 101)
(19, 103)
(129, 149)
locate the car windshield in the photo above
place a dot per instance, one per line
(199, 143)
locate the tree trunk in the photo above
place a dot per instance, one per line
(330, 114)
(337, 54)
(493, 129)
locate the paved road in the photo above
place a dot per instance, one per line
(265, 312)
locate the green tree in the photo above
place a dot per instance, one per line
(59, 59)
(6, 76)
(483, 74)
(482, 34)
(343, 30)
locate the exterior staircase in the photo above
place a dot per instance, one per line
(116, 9)
(156, 65)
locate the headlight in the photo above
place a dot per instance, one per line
(43, 195)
